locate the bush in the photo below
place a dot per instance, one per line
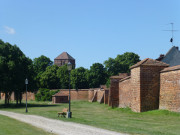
(45, 94)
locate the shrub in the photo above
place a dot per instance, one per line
(45, 94)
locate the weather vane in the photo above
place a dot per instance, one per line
(172, 30)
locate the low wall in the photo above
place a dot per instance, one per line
(125, 94)
(170, 89)
(30, 96)
(80, 94)
(113, 99)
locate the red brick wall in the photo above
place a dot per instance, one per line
(170, 90)
(90, 95)
(113, 98)
(150, 87)
(80, 94)
(100, 94)
(30, 96)
(114, 92)
(135, 88)
(125, 94)
(106, 93)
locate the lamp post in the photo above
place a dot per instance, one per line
(26, 82)
(69, 66)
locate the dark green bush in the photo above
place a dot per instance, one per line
(45, 94)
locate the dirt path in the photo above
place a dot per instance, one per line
(57, 126)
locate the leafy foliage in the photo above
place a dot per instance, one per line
(49, 78)
(63, 75)
(121, 63)
(79, 78)
(97, 75)
(40, 64)
(14, 68)
(45, 94)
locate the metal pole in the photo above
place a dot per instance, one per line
(26, 99)
(69, 113)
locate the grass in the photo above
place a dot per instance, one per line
(158, 122)
(10, 126)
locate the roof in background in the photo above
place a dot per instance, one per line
(171, 68)
(149, 62)
(172, 57)
(63, 56)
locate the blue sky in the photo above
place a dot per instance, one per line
(90, 30)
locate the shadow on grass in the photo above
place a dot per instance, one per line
(23, 105)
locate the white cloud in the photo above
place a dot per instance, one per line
(9, 30)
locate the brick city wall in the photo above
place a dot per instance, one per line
(80, 94)
(170, 89)
(150, 87)
(135, 88)
(30, 96)
(125, 94)
(100, 94)
(113, 98)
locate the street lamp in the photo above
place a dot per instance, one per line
(26, 82)
(69, 66)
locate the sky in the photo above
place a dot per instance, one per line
(90, 31)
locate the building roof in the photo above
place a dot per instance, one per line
(171, 68)
(59, 94)
(64, 56)
(172, 57)
(149, 62)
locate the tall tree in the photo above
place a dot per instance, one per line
(49, 78)
(121, 63)
(40, 64)
(79, 78)
(14, 68)
(97, 75)
(63, 75)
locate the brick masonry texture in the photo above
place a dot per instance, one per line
(91, 95)
(170, 89)
(81, 94)
(113, 99)
(141, 91)
(125, 94)
(150, 87)
(135, 88)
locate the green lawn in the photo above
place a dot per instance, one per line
(10, 126)
(157, 122)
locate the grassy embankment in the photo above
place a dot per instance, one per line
(10, 126)
(158, 122)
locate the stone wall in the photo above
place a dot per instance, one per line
(125, 94)
(170, 89)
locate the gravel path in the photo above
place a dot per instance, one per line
(59, 127)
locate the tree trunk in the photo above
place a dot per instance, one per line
(8, 97)
(5, 98)
(20, 97)
(16, 97)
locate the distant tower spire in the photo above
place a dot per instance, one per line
(172, 30)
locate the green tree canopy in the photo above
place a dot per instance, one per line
(97, 75)
(121, 63)
(40, 64)
(63, 75)
(49, 78)
(79, 78)
(14, 68)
